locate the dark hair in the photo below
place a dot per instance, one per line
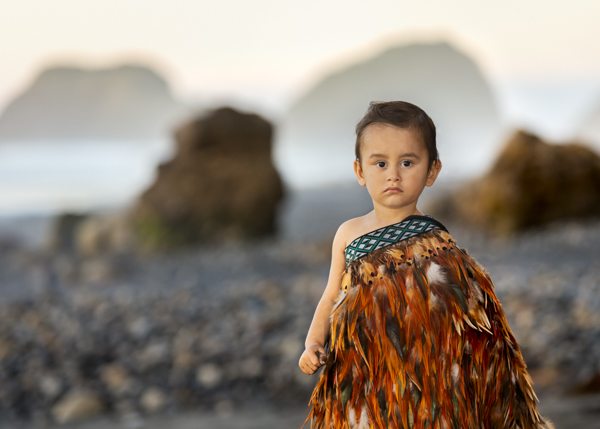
(400, 114)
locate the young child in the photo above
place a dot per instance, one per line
(409, 331)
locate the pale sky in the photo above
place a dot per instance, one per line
(275, 48)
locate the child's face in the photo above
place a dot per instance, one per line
(394, 166)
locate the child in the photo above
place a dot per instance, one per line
(409, 331)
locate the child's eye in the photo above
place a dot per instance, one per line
(380, 164)
(406, 163)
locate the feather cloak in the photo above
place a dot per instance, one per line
(418, 339)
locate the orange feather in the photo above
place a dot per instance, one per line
(419, 339)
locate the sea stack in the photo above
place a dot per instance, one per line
(221, 183)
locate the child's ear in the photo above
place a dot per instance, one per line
(359, 173)
(433, 172)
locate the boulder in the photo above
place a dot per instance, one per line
(588, 130)
(220, 183)
(105, 232)
(92, 233)
(530, 184)
(69, 103)
(61, 235)
(315, 143)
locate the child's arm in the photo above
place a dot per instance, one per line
(314, 355)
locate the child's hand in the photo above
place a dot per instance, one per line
(312, 358)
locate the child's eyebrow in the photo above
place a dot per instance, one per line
(404, 155)
(409, 155)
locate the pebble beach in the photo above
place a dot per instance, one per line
(210, 335)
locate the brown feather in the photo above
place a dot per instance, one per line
(419, 339)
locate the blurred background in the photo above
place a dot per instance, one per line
(172, 174)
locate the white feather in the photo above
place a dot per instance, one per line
(435, 274)
(351, 417)
(454, 372)
(364, 419)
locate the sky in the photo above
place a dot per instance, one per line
(269, 51)
(539, 55)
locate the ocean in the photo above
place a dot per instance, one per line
(39, 179)
(46, 177)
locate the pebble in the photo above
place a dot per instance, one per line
(50, 386)
(206, 327)
(77, 405)
(209, 375)
(153, 400)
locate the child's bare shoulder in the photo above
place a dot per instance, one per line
(349, 230)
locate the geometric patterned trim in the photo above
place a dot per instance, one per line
(391, 234)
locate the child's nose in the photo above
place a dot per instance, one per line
(393, 175)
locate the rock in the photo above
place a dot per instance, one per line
(221, 183)
(50, 386)
(530, 184)
(209, 375)
(317, 134)
(251, 367)
(184, 339)
(589, 128)
(97, 270)
(109, 232)
(125, 102)
(153, 354)
(590, 386)
(66, 268)
(93, 234)
(183, 360)
(5, 348)
(153, 400)
(116, 379)
(224, 408)
(139, 327)
(77, 405)
(239, 335)
(61, 235)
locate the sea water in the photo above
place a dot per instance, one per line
(39, 179)
(48, 177)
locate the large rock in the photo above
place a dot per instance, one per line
(104, 232)
(129, 102)
(531, 183)
(588, 130)
(316, 142)
(61, 236)
(220, 183)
